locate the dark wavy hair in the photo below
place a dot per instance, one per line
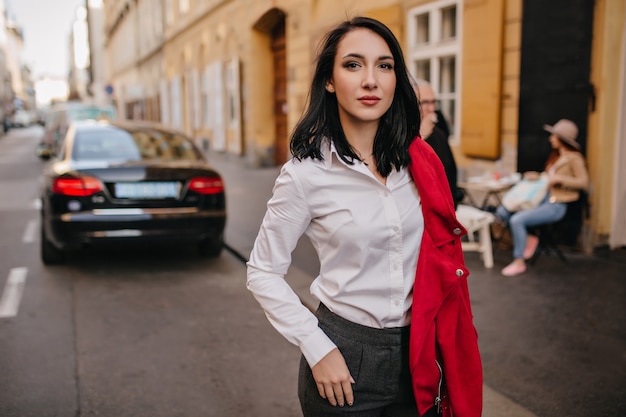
(397, 128)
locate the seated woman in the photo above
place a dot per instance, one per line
(567, 176)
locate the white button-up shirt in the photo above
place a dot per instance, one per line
(367, 236)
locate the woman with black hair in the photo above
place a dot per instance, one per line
(393, 334)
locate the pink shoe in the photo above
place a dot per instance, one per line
(532, 242)
(513, 269)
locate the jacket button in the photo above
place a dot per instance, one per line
(459, 272)
(457, 231)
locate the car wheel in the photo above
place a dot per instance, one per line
(50, 254)
(210, 248)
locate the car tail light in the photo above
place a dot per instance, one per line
(206, 185)
(77, 187)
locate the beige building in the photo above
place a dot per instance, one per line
(235, 75)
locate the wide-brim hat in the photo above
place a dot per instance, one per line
(566, 130)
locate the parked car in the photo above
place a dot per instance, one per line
(129, 181)
(59, 116)
(22, 118)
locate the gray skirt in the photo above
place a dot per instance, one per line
(378, 360)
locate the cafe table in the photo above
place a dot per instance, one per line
(489, 188)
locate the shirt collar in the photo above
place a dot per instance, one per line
(330, 154)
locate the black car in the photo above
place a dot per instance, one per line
(128, 181)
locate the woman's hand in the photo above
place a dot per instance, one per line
(554, 180)
(333, 379)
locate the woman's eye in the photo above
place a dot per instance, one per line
(386, 65)
(351, 65)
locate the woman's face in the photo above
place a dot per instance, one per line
(555, 142)
(363, 79)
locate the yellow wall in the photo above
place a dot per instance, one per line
(490, 64)
(609, 26)
(511, 51)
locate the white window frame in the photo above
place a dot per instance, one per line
(436, 49)
(213, 108)
(206, 98)
(169, 12)
(195, 95)
(165, 101)
(233, 91)
(192, 96)
(183, 7)
(177, 103)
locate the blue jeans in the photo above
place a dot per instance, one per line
(544, 213)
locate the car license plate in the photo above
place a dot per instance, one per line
(147, 190)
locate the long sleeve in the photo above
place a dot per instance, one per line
(580, 178)
(285, 221)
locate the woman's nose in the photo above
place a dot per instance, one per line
(369, 79)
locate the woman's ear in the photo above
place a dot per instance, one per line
(330, 87)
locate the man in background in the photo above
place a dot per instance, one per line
(434, 130)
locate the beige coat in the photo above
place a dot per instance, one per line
(569, 177)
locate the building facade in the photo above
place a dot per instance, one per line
(6, 83)
(235, 75)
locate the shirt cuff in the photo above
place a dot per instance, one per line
(316, 346)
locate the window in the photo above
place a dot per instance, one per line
(169, 15)
(434, 52)
(183, 6)
(177, 102)
(448, 23)
(104, 145)
(213, 111)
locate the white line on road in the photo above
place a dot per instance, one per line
(12, 295)
(30, 232)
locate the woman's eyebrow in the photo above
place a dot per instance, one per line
(356, 55)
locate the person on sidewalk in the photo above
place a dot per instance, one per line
(567, 177)
(434, 130)
(393, 334)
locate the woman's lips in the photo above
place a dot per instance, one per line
(369, 100)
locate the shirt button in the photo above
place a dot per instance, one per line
(457, 231)
(459, 272)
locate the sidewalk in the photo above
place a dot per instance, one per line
(248, 190)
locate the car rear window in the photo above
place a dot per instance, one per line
(91, 112)
(118, 144)
(105, 145)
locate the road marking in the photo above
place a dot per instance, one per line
(12, 295)
(30, 232)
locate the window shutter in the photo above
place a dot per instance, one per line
(482, 78)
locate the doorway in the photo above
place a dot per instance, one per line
(554, 83)
(554, 74)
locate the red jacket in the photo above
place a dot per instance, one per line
(442, 331)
